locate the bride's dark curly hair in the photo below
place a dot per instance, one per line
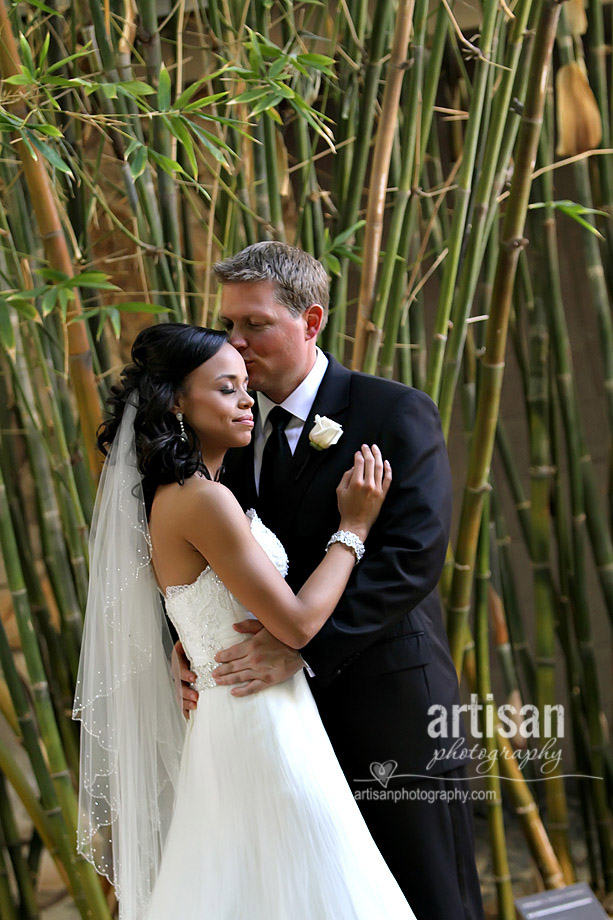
(162, 357)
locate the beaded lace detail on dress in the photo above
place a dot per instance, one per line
(203, 612)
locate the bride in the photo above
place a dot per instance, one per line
(242, 812)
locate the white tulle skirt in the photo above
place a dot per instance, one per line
(265, 826)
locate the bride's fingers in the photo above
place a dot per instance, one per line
(369, 466)
(378, 470)
(387, 476)
(358, 467)
(248, 626)
(346, 479)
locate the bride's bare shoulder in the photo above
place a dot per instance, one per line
(196, 496)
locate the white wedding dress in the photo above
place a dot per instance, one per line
(265, 826)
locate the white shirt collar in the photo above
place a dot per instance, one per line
(300, 401)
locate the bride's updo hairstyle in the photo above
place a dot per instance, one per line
(162, 355)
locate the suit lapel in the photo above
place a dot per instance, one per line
(332, 400)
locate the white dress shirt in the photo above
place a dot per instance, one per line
(299, 403)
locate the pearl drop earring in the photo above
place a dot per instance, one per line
(181, 426)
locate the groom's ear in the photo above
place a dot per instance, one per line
(313, 317)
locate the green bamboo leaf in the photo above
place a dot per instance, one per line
(270, 52)
(180, 129)
(136, 88)
(7, 336)
(59, 65)
(211, 143)
(205, 102)
(574, 210)
(49, 130)
(255, 53)
(88, 278)
(347, 234)
(72, 83)
(191, 90)
(115, 318)
(24, 307)
(164, 87)
(138, 162)
(39, 5)
(50, 154)
(44, 51)
(331, 263)
(109, 90)
(52, 274)
(169, 165)
(134, 143)
(286, 92)
(274, 116)
(26, 53)
(270, 101)
(49, 301)
(319, 62)
(277, 68)
(21, 79)
(250, 95)
(63, 296)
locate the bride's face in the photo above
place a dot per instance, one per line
(216, 403)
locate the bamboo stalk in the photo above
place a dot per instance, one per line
(541, 474)
(12, 842)
(42, 702)
(492, 366)
(495, 818)
(151, 41)
(351, 204)
(406, 180)
(56, 250)
(461, 201)
(578, 592)
(572, 662)
(470, 267)
(525, 807)
(378, 181)
(51, 826)
(8, 909)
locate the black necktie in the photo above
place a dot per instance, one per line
(275, 471)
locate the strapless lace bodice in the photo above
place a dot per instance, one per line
(203, 612)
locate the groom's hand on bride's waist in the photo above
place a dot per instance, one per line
(260, 660)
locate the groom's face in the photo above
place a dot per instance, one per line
(278, 348)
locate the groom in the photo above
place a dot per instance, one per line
(382, 659)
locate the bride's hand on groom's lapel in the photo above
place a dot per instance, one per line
(260, 659)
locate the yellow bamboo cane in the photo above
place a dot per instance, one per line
(58, 256)
(380, 172)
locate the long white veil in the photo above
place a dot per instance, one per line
(132, 726)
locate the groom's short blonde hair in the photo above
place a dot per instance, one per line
(299, 280)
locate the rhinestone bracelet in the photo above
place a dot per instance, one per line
(349, 539)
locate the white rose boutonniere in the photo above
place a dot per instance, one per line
(324, 433)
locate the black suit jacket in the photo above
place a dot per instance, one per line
(382, 659)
